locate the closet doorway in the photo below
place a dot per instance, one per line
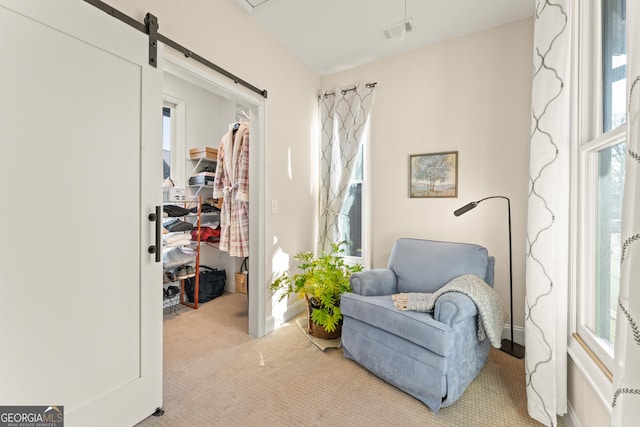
(199, 108)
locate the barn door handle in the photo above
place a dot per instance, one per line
(155, 249)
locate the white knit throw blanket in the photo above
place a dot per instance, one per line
(492, 314)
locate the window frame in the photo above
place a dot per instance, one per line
(592, 358)
(587, 241)
(178, 139)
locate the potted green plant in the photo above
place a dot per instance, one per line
(321, 282)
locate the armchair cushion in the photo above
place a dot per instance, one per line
(427, 265)
(379, 312)
(374, 282)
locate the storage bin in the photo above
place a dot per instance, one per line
(174, 194)
(201, 180)
(203, 152)
(241, 283)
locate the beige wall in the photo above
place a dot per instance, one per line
(223, 33)
(471, 95)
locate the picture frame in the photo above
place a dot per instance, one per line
(433, 175)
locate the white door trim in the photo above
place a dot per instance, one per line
(176, 64)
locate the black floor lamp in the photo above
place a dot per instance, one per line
(508, 346)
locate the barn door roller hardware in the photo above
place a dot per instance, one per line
(150, 27)
(151, 24)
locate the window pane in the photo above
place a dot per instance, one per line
(614, 63)
(610, 191)
(351, 215)
(351, 221)
(166, 142)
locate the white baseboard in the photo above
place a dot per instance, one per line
(294, 309)
(518, 334)
(291, 312)
(570, 419)
(269, 325)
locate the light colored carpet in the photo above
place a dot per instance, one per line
(215, 374)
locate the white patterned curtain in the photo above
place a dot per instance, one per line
(344, 116)
(548, 215)
(626, 377)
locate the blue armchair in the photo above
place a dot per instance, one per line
(431, 356)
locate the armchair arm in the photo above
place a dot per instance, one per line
(454, 307)
(374, 282)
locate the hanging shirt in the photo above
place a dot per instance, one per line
(232, 185)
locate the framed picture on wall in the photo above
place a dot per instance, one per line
(433, 175)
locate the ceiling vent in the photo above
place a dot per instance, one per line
(398, 29)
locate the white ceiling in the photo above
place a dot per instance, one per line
(334, 35)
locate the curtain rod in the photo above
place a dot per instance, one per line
(344, 91)
(186, 52)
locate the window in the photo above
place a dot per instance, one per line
(353, 217)
(173, 140)
(600, 173)
(166, 142)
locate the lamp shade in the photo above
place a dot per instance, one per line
(466, 208)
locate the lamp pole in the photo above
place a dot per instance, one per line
(508, 346)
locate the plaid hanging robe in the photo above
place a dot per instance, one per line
(232, 185)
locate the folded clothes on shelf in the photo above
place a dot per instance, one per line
(172, 238)
(173, 210)
(212, 224)
(207, 234)
(205, 207)
(176, 243)
(177, 256)
(178, 225)
(211, 219)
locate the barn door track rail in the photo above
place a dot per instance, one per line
(150, 27)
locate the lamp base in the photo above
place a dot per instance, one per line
(513, 348)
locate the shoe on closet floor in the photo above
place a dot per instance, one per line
(169, 277)
(172, 291)
(191, 272)
(181, 273)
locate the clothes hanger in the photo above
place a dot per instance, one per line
(243, 114)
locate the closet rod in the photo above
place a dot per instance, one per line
(186, 52)
(344, 91)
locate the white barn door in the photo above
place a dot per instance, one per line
(80, 171)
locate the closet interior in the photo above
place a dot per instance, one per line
(206, 137)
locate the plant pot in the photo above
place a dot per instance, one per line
(317, 330)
